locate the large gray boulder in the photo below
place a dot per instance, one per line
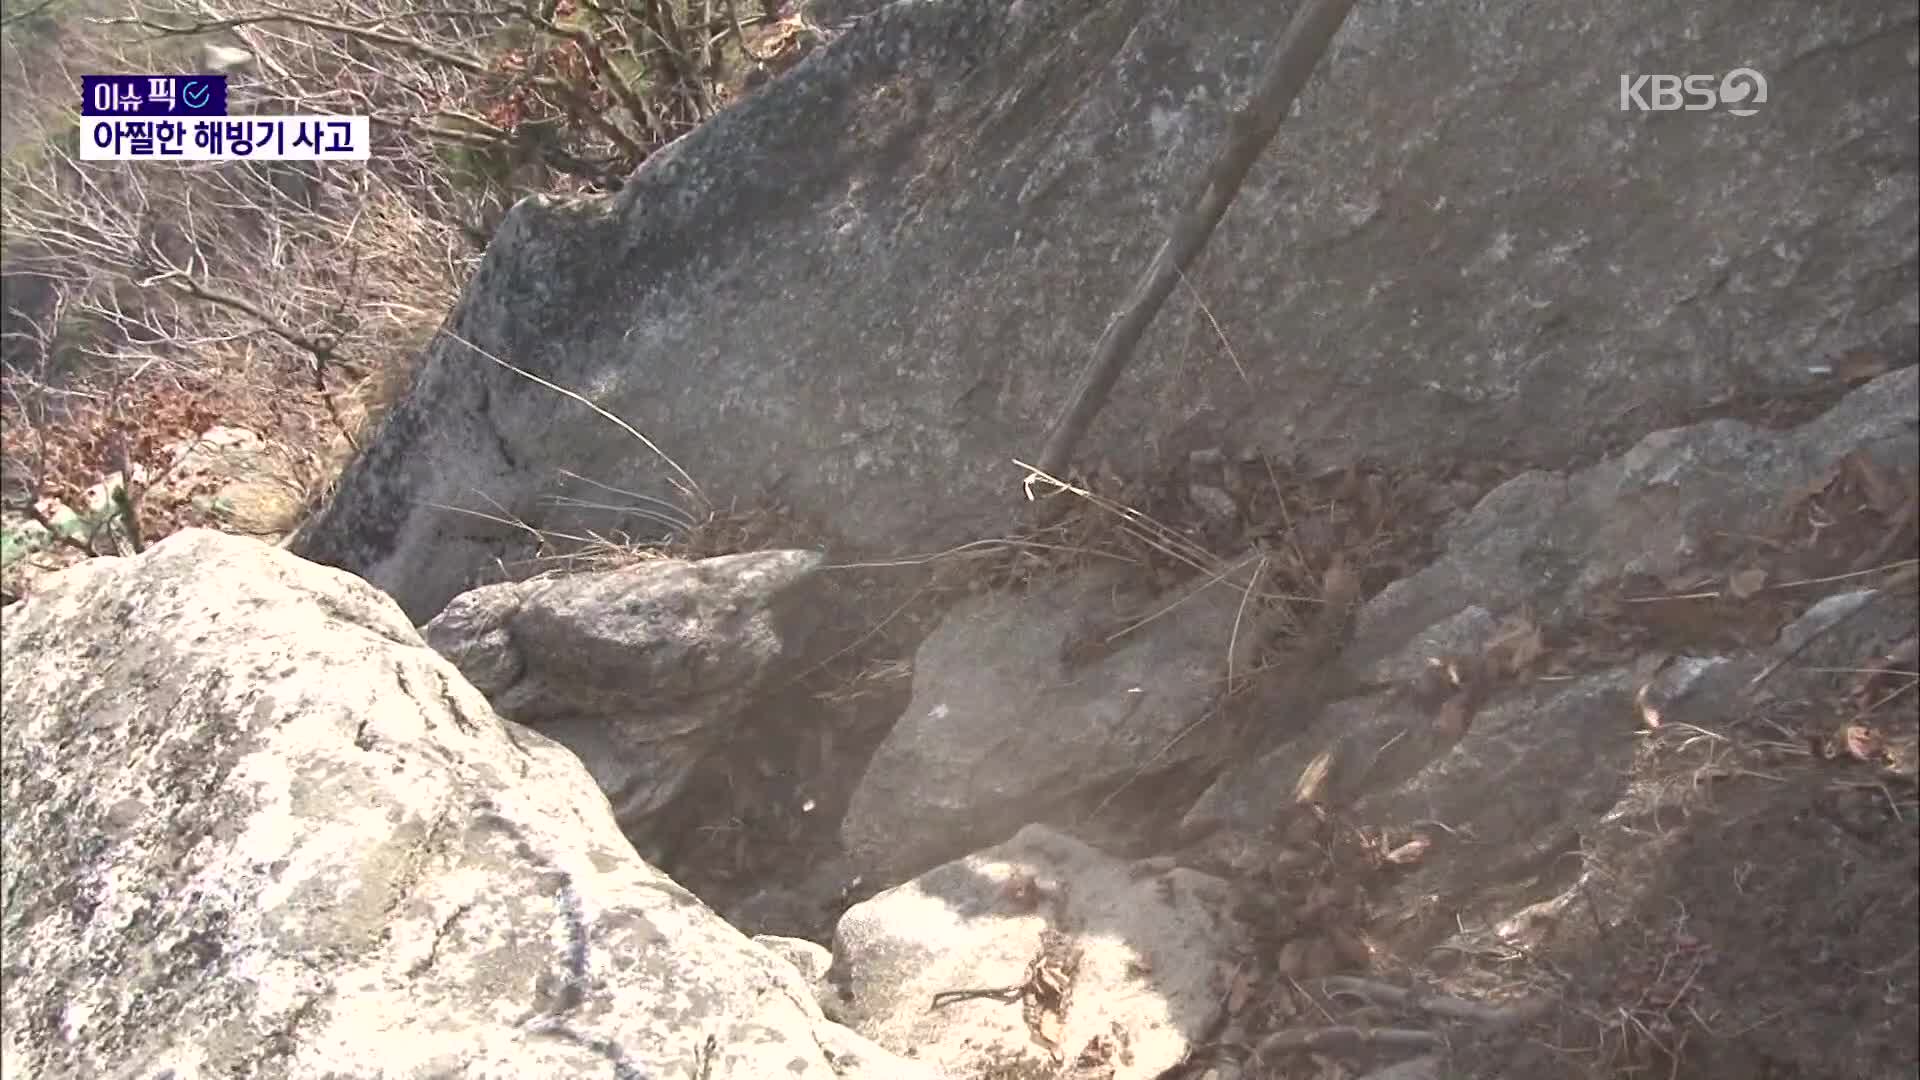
(1550, 541)
(1008, 726)
(642, 671)
(1552, 544)
(255, 827)
(874, 281)
(1689, 771)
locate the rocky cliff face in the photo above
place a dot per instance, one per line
(1624, 759)
(1597, 759)
(868, 286)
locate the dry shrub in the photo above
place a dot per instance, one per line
(291, 298)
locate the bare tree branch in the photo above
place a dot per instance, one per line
(9, 20)
(195, 294)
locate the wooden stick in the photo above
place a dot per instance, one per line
(1248, 134)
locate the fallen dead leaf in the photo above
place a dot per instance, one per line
(1047, 1029)
(1798, 497)
(1745, 583)
(1312, 785)
(1240, 990)
(1897, 662)
(1649, 713)
(1863, 743)
(1903, 758)
(1883, 493)
(1410, 852)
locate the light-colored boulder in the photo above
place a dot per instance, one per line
(1124, 969)
(255, 827)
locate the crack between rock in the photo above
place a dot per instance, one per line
(424, 964)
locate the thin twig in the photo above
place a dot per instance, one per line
(678, 512)
(1196, 591)
(984, 547)
(540, 535)
(1239, 614)
(1155, 535)
(28, 13)
(862, 639)
(1830, 579)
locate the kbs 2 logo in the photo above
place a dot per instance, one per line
(1738, 91)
